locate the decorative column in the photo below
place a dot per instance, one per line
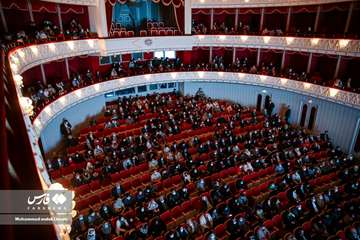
(258, 57)
(211, 54)
(67, 67)
(283, 60)
(188, 17)
(337, 67)
(3, 20)
(234, 55)
(43, 76)
(97, 19)
(211, 19)
(236, 25)
(30, 11)
(262, 19)
(317, 18)
(308, 69)
(58, 10)
(348, 20)
(288, 19)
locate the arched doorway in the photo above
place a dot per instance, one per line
(303, 115)
(258, 102)
(312, 118)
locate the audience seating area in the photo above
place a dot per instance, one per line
(180, 167)
(43, 95)
(152, 29)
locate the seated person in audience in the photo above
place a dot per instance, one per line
(157, 226)
(106, 230)
(106, 212)
(192, 226)
(155, 176)
(205, 221)
(262, 233)
(143, 231)
(117, 190)
(121, 225)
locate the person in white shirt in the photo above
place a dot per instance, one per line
(155, 176)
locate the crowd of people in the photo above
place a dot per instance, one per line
(304, 182)
(42, 95)
(44, 32)
(251, 29)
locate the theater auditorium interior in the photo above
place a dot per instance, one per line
(180, 119)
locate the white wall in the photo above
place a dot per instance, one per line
(338, 119)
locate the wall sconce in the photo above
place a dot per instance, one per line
(70, 45)
(315, 41)
(333, 92)
(343, 43)
(222, 37)
(307, 85)
(201, 74)
(244, 38)
(283, 81)
(266, 39)
(289, 40)
(91, 43)
(51, 47)
(35, 50)
(26, 105)
(18, 80)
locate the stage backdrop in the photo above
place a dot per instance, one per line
(134, 14)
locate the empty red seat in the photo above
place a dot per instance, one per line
(176, 212)
(166, 216)
(95, 185)
(277, 220)
(143, 33)
(186, 206)
(82, 204)
(82, 190)
(220, 230)
(162, 32)
(115, 177)
(105, 195)
(67, 170)
(55, 174)
(94, 199)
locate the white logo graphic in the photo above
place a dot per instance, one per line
(37, 200)
(59, 199)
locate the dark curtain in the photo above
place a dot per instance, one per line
(32, 76)
(16, 14)
(333, 18)
(55, 71)
(79, 13)
(302, 17)
(296, 61)
(201, 16)
(275, 18)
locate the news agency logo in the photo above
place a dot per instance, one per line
(47, 201)
(44, 198)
